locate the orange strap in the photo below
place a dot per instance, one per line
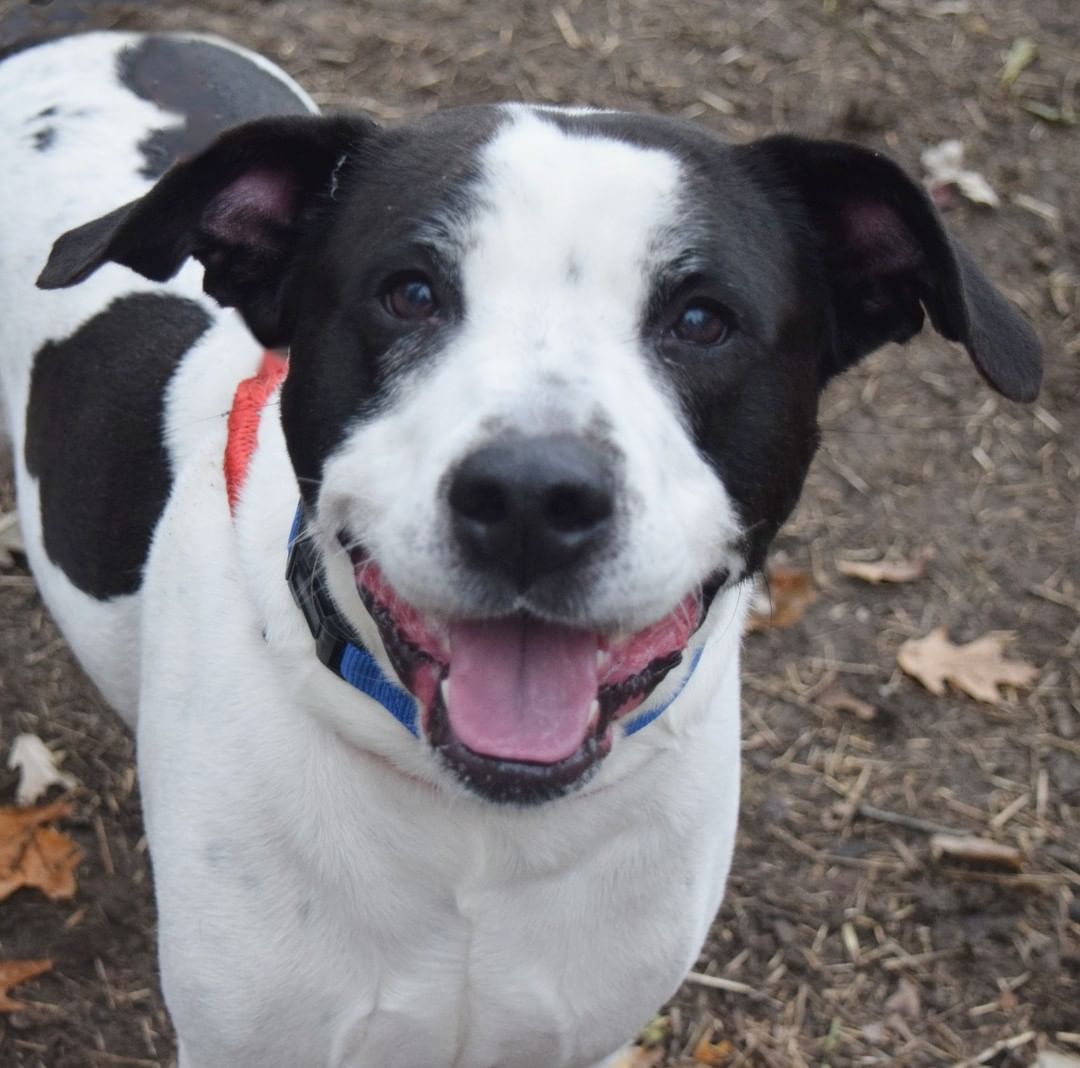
(248, 403)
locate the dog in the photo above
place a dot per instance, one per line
(430, 635)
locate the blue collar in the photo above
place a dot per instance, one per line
(340, 649)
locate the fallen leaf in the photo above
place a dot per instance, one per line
(839, 700)
(639, 1057)
(34, 855)
(875, 1032)
(973, 850)
(977, 668)
(714, 1053)
(1021, 54)
(1049, 1058)
(38, 768)
(787, 594)
(905, 1000)
(11, 542)
(1048, 113)
(886, 570)
(944, 166)
(13, 972)
(656, 1031)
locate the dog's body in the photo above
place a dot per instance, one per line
(478, 308)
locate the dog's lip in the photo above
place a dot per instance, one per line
(513, 781)
(628, 669)
(619, 656)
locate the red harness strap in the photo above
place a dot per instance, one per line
(250, 399)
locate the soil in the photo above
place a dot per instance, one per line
(842, 940)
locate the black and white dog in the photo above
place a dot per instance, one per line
(460, 788)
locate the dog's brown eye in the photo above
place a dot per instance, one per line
(701, 322)
(410, 296)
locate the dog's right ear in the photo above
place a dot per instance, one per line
(239, 208)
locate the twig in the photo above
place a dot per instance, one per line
(998, 1047)
(116, 1058)
(912, 823)
(715, 982)
(730, 986)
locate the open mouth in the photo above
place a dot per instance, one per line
(521, 709)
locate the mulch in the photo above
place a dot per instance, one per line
(843, 940)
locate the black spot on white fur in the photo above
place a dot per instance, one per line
(44, 138)
(94, 437)
(213, 88)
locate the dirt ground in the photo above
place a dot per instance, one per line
(842, 940)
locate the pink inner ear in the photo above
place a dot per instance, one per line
(255, 203)
(879, 237)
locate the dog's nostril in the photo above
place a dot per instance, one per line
(526, 507)
(575, 509)
(481, 500)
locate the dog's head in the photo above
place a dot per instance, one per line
(554, 380)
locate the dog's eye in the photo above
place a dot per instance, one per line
(410, 296)
(701, 322)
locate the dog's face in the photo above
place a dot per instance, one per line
(553, 381)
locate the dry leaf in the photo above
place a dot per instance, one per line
(944, 165)
(875, 1032)
(1021, 54)
(715, 1053)
(639, 1057)
(905, 1000)
(786, 596)
(38, 768)
(13, 972)
(978, 668)
(11, 542)
(656, 1031)
(1048, 112)
(839, 700)
(1049, 1058)
(34, 855)
(974, 850)
(886, 570)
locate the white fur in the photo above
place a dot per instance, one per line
(542, 352)
(328, 895)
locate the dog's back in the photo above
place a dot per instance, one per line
(89, 123)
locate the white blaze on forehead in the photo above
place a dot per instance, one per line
(563, 212)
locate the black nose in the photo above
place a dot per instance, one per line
(527, 507)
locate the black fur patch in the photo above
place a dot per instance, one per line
(94, 437)
(213, 88)
(347, 355)
(44, 138)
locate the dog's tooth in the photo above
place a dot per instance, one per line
(594, 713)
(444, 691)
(603, 659)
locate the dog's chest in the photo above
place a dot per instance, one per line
(393, 926)
(517, 972)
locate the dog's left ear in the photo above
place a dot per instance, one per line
(240, 207)
(887, 256)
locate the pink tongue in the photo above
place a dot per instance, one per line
(521, 689)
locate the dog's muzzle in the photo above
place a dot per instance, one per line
(519, 706)
(521, 709)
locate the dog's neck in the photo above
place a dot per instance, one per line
(336, 643)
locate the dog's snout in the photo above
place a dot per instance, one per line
(530, 506)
